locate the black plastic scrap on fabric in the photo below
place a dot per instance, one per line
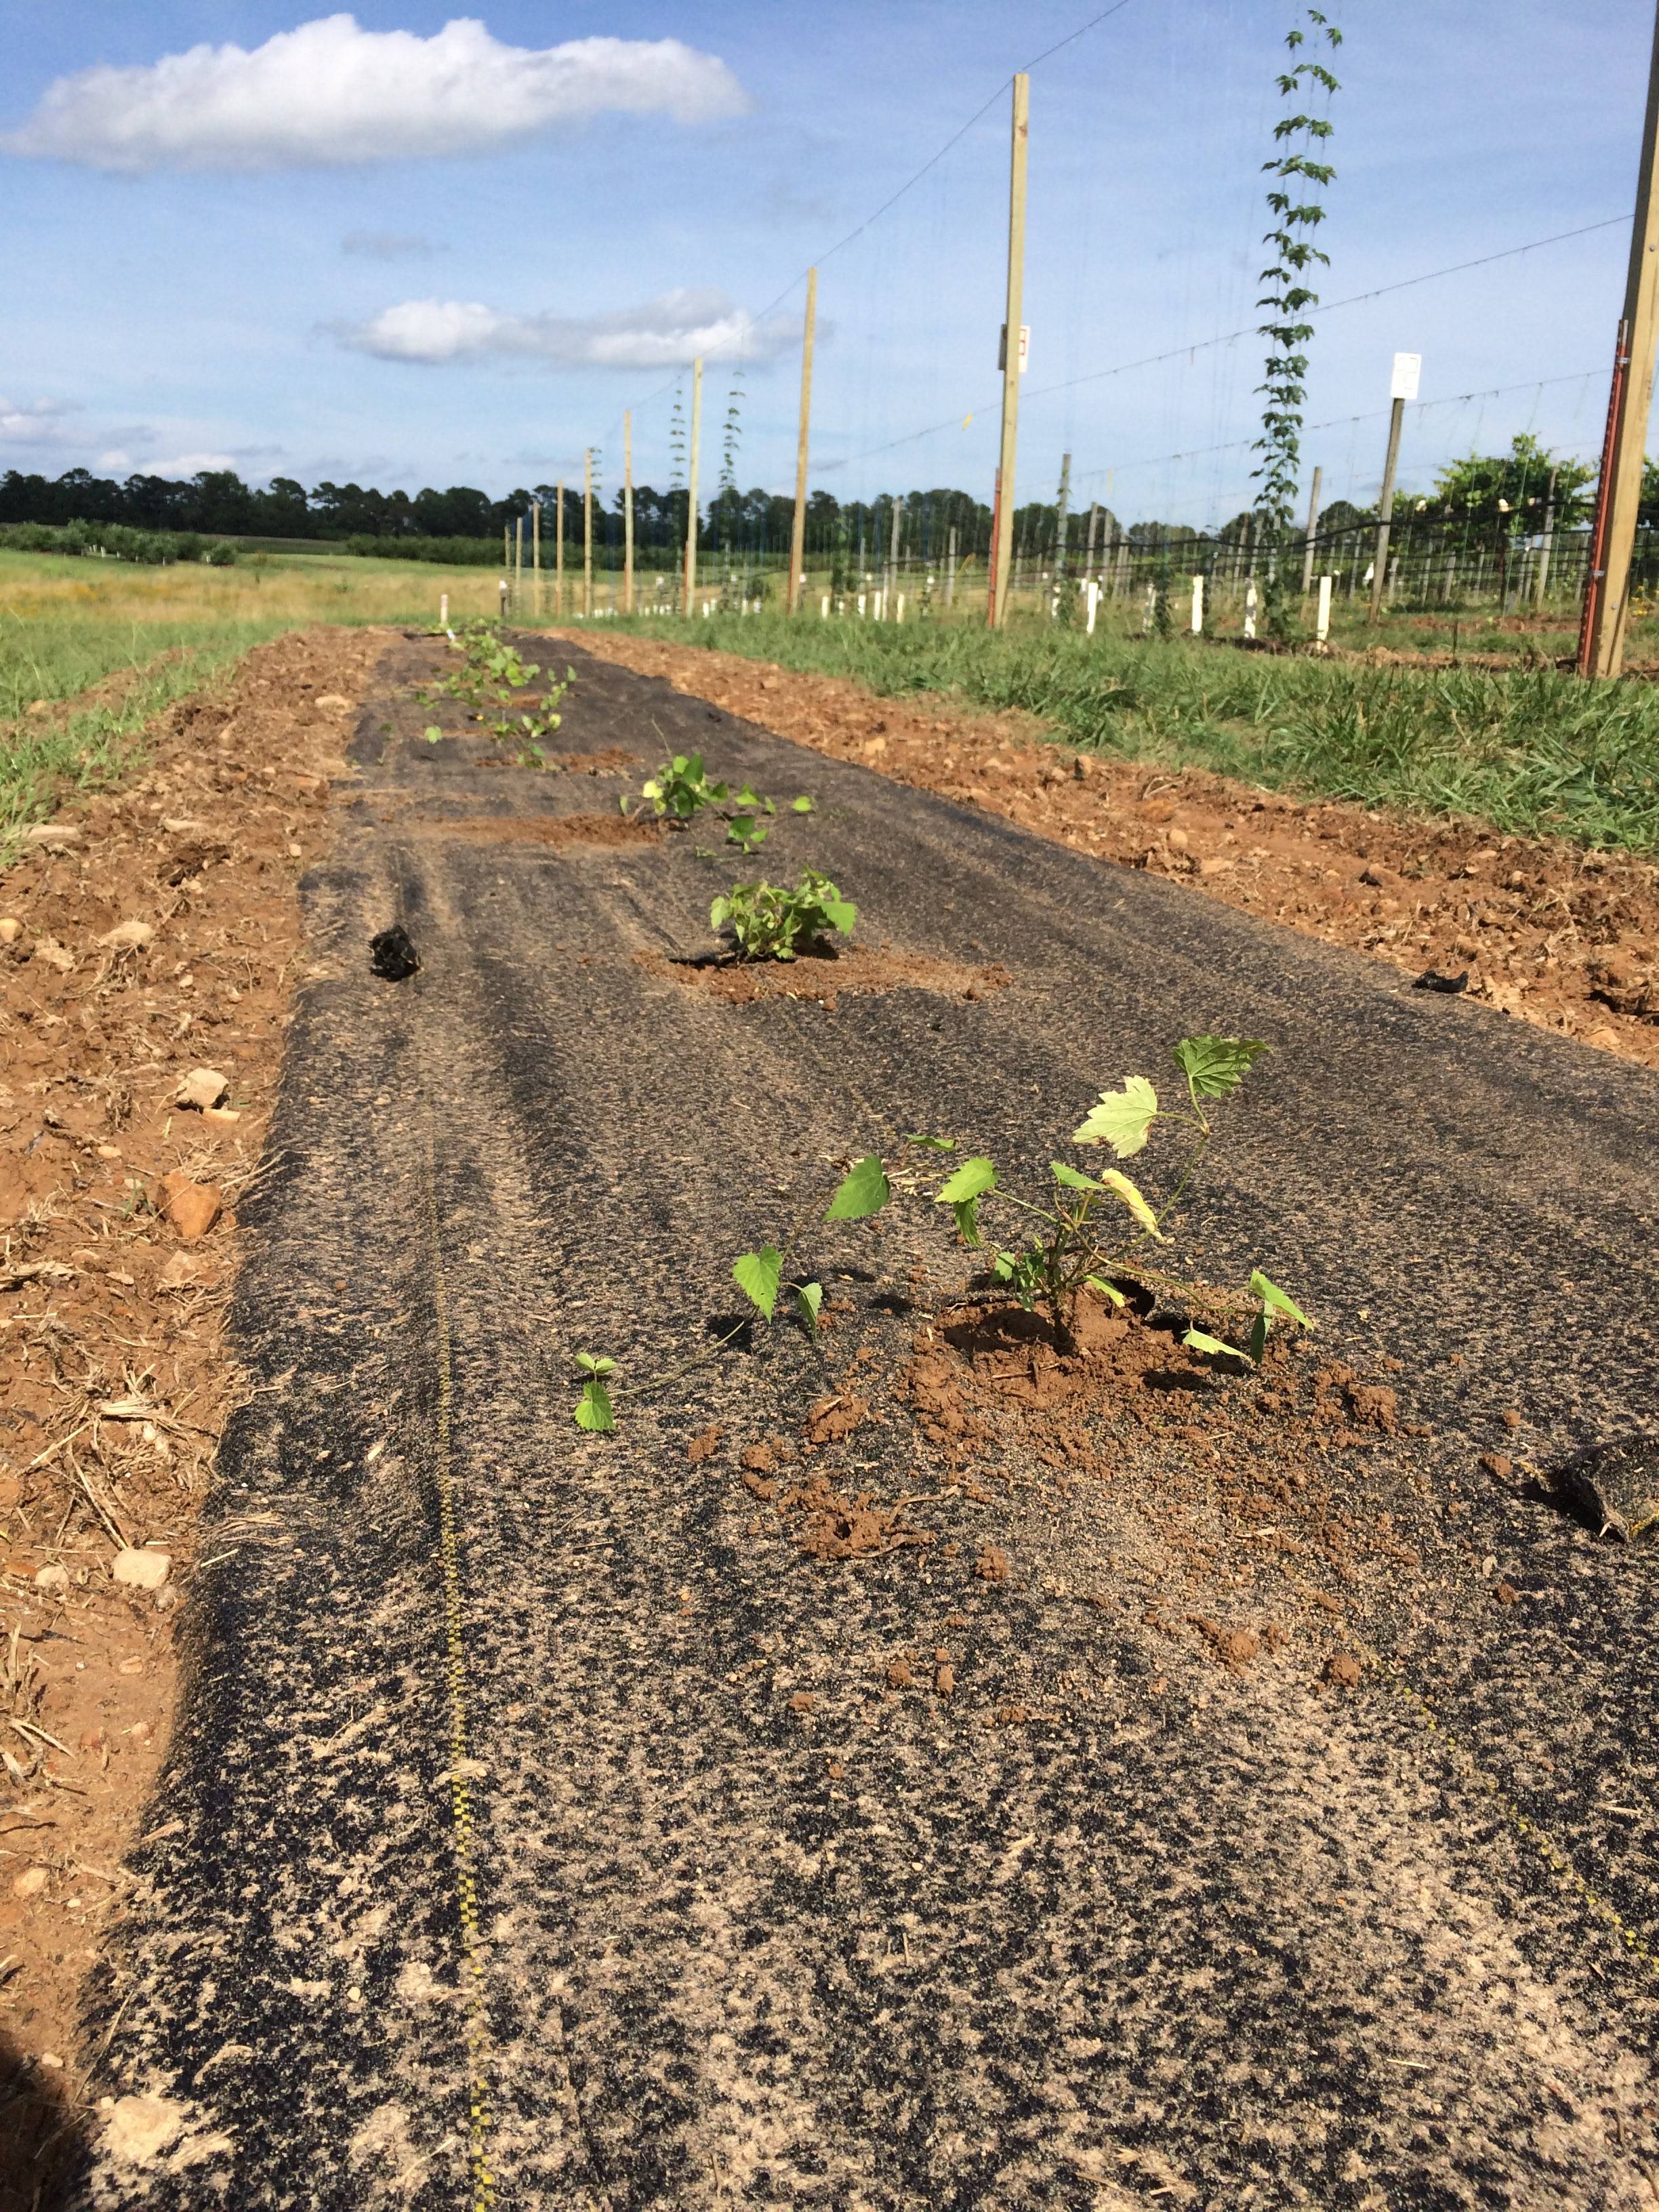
(1430, 980)
(392, 953)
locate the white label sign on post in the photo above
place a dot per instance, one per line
(1407, 370)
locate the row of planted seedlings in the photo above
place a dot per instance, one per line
(1082, 1236)
(489, 682)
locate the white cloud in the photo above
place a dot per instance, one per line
(330, 92)
(389, 246)
(180, 465)
(32, 422)
(663, 333)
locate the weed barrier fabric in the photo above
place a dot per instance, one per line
(544, 1828)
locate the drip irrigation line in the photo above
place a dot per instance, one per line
(1231, 337)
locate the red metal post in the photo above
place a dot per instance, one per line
(1596, 571)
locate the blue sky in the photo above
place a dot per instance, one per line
(342, 259)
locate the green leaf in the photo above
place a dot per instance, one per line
(971, 1180)
(865, 1191)
(1121, 1187)
(1070, 1178)
(1275, 1300)
(1107, 1290)
(1216, 1065)
(933, 1144)
(433, 734)
(966, 1211)
(756, 1275)
(1196, 1339)
(1121, 1119)
(1258, 1344)
(595, 1364)
(719, 911)
(802, 806)
(841, 915)
(809, 1298)
(593, 1409)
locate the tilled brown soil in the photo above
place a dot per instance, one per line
(150, 931)
(1547, 930)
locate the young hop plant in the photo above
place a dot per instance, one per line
(1090, 1230)
(767, 923)
(1088, 1234)
(763, 1278)
(490, 675)
(682, 788)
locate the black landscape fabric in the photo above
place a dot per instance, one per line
(544, 1828)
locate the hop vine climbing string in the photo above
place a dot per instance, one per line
(1296, 174)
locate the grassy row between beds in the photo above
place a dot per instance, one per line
(1532, 751)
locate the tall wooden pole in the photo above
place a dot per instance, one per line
(558, 559)
(1606, 595)
(536, 556)
(588, 531)
(627, 514)
(1313, 527)
(798, 535)
(691, 484)
(1002, 552)
(1385, 511)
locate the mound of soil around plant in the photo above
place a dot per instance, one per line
(854, 971)
(1549, 931)
(606, 830)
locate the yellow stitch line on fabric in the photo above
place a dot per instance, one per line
(1608, 1914)
(484, 2186)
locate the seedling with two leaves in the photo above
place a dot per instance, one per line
(763, 1278)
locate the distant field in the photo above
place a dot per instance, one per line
(149, 635)
(1529, 750)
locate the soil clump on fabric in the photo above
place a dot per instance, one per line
(610, 831)
(855, 970)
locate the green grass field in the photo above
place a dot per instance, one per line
(151, 636)
(1530, 751)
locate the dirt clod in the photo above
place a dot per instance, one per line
(1343, 1669)
(141, 1569)
(192, 1207)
